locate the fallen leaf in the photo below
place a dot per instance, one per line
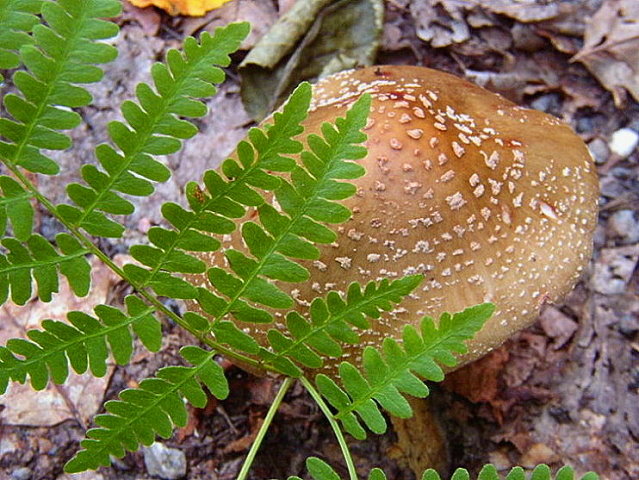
(195, 8)
(440, 27)
(524, 10)
(313, 39)
(558, 326)
(614, 269)
(260, 14)
(81, 395)
(611, 48)
(147, 18)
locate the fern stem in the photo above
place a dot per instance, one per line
(148, 296)
(348, 458)
(268, 419)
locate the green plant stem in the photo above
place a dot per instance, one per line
(348, 458)
(148, 296)
(286, 384)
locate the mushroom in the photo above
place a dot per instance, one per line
(490, 201)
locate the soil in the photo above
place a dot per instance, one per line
(565, 391)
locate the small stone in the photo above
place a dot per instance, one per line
(624, 225)
(22, 473)
(164, 462)
(599, 150)
(623, 142)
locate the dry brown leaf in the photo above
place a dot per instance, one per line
(81, 395)
(195, 8)
(443, 26)
(611, 48)
(260, 14)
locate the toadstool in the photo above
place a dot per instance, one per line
(490, 201)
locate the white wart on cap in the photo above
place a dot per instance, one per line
(491, 202)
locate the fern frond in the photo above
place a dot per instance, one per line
(63, 55)
(320, 470)
(83, 343)
(15, 205)
(152, 409)
(261, 154)
(489, 472)
(38, 260)
(155, 126)
(394, 371)
(307, 202)
(331, 322)
(17, 19)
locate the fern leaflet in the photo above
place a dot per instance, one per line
(150, 410)
(15, 205)
(331, 321)
(83, 344)
(320, 470)
(40, 261)
(17, 18)
(154, 128)
(389, 375)
(224, 198)
(307, 201)
(63, 55)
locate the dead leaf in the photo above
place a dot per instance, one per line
(147, 18)
(524, 10)
(194, 8)
(440, 23)
(611, 48)
(557, 326)
(313, 39)
(260, 14)
(81, 395)
(479, 381)
(614, 269)
(243, 443)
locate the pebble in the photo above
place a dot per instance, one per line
(164, 462)
(623, 142)
(599, 150)
(624, 225)
(22, 473)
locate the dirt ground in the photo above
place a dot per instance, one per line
(564, 391)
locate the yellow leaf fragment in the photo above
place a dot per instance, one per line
(194, 8)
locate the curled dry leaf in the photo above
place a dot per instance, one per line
(314, 38)
(193, 8)
(611, 48)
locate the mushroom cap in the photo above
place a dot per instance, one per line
(492, 202)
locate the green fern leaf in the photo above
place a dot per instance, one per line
(489, 472)
(84, 343)
(152, 409)
(228, 197)
(320, 470)
(331, 322)
(38, 260)
(307, 203)
(63, 55)
(17, 19)
(155, 126)
(15, 205)
(390, 374)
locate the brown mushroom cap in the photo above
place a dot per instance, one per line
(492, 202)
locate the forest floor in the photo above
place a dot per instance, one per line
(565, 390)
